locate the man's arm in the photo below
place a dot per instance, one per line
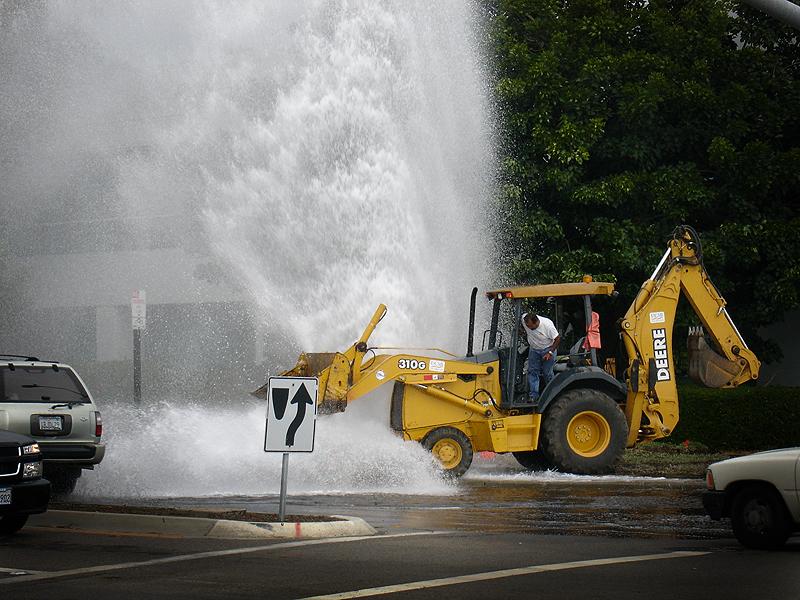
(553, 348)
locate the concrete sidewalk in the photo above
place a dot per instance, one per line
(199, 527)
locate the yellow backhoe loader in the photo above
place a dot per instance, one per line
(586, 416)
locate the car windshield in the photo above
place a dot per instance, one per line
(40, 384)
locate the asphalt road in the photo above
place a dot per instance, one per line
(498, 535)
(43, 563)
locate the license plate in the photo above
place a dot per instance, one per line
(5, 496)
(50, 423)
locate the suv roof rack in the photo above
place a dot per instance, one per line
(21, 357)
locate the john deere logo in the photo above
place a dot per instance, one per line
(661, 354)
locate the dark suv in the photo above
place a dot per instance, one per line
(23, 492)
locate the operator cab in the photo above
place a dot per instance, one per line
(504, 341)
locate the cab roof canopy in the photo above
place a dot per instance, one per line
(592, 288)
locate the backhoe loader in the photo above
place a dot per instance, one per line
(586, 416)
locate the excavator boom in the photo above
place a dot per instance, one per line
(647, 334)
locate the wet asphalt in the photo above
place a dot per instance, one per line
(499, 497)
(501, 533)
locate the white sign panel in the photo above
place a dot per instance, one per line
(138, 309)
(658, 317)
(291, 414)
(436, 365)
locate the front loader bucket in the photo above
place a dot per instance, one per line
(333, 371)
(336, 371)
(706, 367)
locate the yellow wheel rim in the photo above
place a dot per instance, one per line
(588, 434)
(448, 452)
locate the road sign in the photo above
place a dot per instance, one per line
(291, 414)
(138, 309)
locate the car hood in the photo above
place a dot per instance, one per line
(782, 454)
(8, 437)
(777, 467)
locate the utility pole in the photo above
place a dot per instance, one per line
(138, 323)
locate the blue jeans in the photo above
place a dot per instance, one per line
(537, 367)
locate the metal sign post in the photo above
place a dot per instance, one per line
(291, 422)
(284, 479)
(138, 322)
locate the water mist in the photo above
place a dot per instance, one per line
(322, 157)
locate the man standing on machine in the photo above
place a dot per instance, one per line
(543, 340)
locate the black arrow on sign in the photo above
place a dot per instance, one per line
(301, 398)
(280, 398)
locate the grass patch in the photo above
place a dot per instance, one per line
(670, 460)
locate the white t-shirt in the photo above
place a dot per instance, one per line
(543, 336)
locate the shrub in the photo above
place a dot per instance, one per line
(745, 418)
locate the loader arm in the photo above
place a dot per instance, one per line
(647, 335)
(346, 376)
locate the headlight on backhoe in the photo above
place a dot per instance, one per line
(709, 479)
(31, 470)
(30, 449)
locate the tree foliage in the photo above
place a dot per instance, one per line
(623, 119)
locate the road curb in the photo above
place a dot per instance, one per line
(199, 527)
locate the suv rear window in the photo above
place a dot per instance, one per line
(40, 384)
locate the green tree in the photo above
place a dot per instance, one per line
(623, 119)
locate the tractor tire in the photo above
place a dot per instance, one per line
(584, 432)
(759, 518)
(451, 448)
(532, 460)
(12, 523)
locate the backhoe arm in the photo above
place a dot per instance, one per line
(737, 364)
(647, 335)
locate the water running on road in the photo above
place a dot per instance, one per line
(496, 496)
(184, 450)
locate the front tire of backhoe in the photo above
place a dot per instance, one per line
(532, 460)
(451, 448)
(584, 432)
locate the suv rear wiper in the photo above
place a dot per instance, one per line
(69, 404)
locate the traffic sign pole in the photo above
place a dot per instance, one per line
(291, 417)
(284, 479)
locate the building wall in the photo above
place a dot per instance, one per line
(203, 338)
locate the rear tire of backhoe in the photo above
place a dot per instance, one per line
(451, 448)
(584, 432)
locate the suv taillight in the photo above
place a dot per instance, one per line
(98, 424)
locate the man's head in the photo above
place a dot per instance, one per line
(531, 320)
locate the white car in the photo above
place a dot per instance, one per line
(760, 495)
